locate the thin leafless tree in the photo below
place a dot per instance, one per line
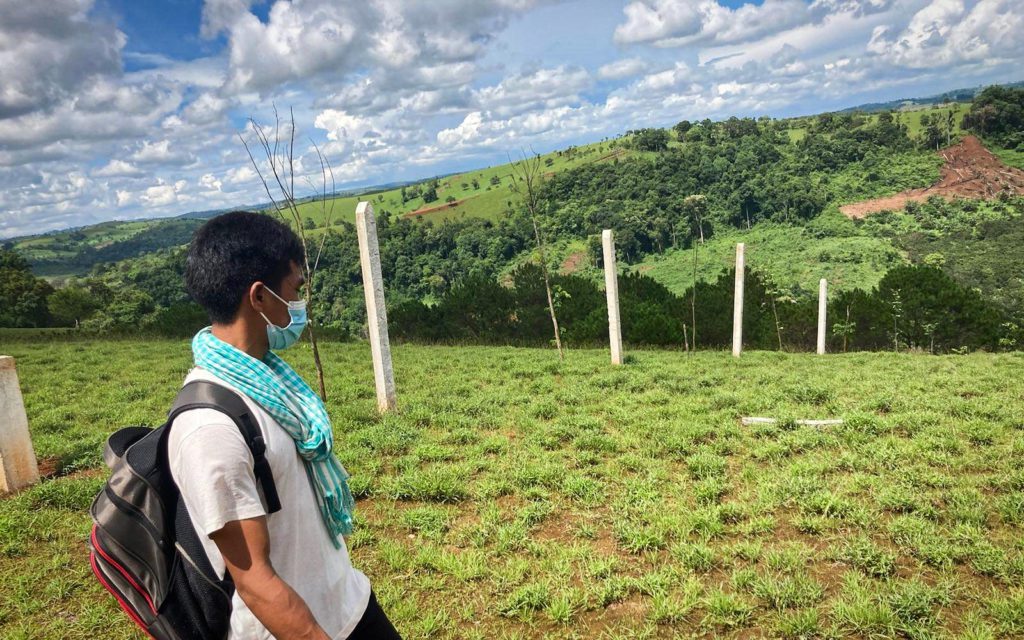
(277, 149)
(695, 208)
(526, 181)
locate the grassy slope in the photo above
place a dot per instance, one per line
(797, 257)
(793, 256)
(514, 497)
(1012, 157)
(46, 247)
(489, 201)
(912, 117)
(829, 247)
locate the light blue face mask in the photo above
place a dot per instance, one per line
(284, 337)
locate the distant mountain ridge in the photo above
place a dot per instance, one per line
(956, 95)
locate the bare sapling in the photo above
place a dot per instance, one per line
(776, 294)
(694, 207)
(526, 182)
(845, 329)
(278, 153)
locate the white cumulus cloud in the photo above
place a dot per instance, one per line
(672, 23)
(117, 168)
(624, 68)
(947, 32)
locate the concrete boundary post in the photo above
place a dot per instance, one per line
(18, 467)
(822, 306)
(376, 314)
(611, 285)
(737, 305)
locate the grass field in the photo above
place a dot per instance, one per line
(912, 117)
(516, 497)
(784, 252)
(490, 199)
(1012, 157)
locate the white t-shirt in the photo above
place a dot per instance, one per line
(212, 467)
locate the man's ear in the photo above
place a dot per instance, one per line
(257, 295)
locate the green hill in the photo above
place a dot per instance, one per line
(775, 184)
(483, 193)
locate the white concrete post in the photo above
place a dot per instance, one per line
(376, 314)
(611, 286)
(822, 303)
(17, 459)
(737, 304)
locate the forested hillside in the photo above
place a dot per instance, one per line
(459, 255)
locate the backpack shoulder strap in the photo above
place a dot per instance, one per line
(203, 394)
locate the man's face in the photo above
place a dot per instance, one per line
(291, 289)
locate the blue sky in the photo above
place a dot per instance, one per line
(117, 109)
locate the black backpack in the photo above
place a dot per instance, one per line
(144, 549)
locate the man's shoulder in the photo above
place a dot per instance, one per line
(199, 373)
(210, 426)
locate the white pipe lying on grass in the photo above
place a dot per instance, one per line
(806, 423)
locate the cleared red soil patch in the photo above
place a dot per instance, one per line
(614, 154)
(445, 205)
(573, 262)
(971, 171)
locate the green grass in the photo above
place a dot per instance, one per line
(795, 257)
(1012, 157)
(912, 117)
(830, 246)
(488, 201)
(517, 497)
(883, 176)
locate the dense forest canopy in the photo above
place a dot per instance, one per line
(997, 113)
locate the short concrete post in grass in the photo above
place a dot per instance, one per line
(822, 304)
(737, 304)
(376, 314)
(611, 285)
(18, 467)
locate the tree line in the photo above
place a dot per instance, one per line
(913, 307)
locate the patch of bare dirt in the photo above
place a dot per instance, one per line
(573, 263)
(971, 171)
(50, 467)
(619, 151)
(440, 207)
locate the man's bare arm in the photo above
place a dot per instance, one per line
(245, 545)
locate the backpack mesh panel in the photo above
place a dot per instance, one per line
(203, 600)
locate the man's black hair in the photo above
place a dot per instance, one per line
(232, 251)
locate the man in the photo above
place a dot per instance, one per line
(292, 574)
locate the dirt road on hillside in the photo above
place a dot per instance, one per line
(971, 171)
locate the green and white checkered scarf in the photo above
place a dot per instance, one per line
(298, 409)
